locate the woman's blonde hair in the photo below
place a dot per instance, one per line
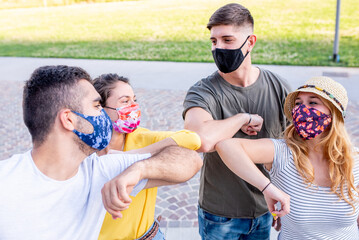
(337, 150)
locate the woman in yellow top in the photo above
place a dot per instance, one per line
(119, 101)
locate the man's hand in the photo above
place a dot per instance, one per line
(115, 193)
(273, 195)
(171, 165)
(254, 126)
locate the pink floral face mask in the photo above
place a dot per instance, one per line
(309, 122)
(129, 118)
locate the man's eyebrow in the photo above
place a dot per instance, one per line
(222, 36)
(97, 99)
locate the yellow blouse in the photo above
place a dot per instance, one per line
(139, 217)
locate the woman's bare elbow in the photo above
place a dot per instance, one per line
(221, 144)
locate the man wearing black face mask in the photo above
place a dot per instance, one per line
(226, 104)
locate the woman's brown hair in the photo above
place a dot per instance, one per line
(105, 83)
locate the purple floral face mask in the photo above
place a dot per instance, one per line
(309, 122)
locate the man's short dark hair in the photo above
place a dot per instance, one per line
(105, 83)
(50, 89)
(231, 14)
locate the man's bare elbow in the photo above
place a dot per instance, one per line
(206, 146)
(198, 162)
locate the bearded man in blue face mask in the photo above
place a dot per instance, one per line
(231, 103)
(53, 191)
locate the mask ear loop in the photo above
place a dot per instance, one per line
(110, 108)
(243, 45)
(113, 109)
(245, 41)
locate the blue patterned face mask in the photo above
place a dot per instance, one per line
(102, 130)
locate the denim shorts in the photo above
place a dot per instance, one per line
(212, 227)
(159, 235)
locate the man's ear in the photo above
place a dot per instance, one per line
(67, 119)
(252, 41)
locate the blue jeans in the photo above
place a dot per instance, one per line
(212, 227)
(159, 235)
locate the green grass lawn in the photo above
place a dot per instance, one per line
(293, 32)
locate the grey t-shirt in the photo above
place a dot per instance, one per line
(221, 191)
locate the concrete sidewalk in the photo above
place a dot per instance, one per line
(171, 75)
(160, 88)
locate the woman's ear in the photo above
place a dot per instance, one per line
(67, 119)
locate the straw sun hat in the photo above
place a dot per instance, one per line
(325, 87)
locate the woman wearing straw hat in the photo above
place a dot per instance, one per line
(315, 164)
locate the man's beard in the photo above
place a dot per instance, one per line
(85, 127)
(86, 149)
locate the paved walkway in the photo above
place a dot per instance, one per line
(160, 87)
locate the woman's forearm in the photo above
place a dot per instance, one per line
(237, 160)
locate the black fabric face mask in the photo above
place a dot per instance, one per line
(228, 60)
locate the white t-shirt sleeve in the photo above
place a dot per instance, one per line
(114, 164)
(139, 186)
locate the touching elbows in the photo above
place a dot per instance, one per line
(207, 144)
(221, 145)
(206, 147)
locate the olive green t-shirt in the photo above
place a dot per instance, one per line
(221, 191)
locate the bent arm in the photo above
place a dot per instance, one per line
(172, 165)
(239, 155)
(212, 131)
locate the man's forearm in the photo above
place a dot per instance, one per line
(173, 164)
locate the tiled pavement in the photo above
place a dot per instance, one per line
(161, 110)
(160, 87)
